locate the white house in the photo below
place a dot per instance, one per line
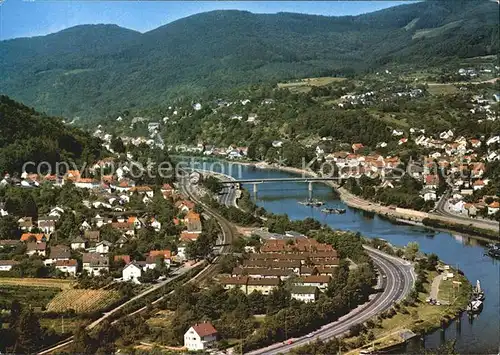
(7, 265)
(446, 134)
(56, 211)
(103, 247)
(493, 208)
(200, 336)
(78, 243)
(492, 140)
(67, 266)
(95, 264)
(252, 117)
(36, 249)
(429, 195)
(304, 293)
(155, 224)
(319, 281)
(478, 185)
(47, 224)
(132, 272)
(85, 226)
(458, 207)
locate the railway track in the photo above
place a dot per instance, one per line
(208, 272)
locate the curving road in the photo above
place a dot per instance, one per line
(398, 282)
(441, 211)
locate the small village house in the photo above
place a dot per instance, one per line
(132, 272)
(67, 266)
(36, 249)
(304, 293)
(78, 243)
(103, 247)
(7, 265)
(95, 264)
(200, 336)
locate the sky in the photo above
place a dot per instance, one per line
(27, 18)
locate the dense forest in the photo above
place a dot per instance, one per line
(93, 70)
(26, 135)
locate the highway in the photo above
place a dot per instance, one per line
(228, 196)
(398, 282)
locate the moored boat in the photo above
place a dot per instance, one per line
(333, 210)
(475, 306)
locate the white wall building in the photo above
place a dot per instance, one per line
(200, 336)
(132, 272)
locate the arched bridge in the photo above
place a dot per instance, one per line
(256, 182)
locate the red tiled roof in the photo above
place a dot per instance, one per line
(70, 262)
(125, 258)
(189, 236)
(316, 279)
(204, 329)
(166, 254)
(26, 236)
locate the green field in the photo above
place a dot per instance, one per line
(442, 89)
(34, 296)
(63, 325)
(305, 85)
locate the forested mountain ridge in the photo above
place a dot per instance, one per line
(95, 70)
(26, 135)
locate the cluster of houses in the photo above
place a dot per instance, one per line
(108, 198)
(371, 97)
(463, 161)
(310, 264)
(483, 106)
(355, 164)
(231, 152)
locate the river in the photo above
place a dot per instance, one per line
(477, 336)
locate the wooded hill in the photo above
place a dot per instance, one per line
(93, 70)
(26, 135)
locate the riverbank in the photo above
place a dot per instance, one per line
(401, 215)
(472, 336)
(389, 330)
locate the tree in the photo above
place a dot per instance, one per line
(83, 343)
(411, 250)
(15, 313)
(9, 228)
(212, 184)
(432, 261)
(278, 299)
(29, 332)
(117, 145)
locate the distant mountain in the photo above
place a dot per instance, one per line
(96, 70)
(29, 136)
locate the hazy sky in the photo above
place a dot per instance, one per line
(25, 18)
